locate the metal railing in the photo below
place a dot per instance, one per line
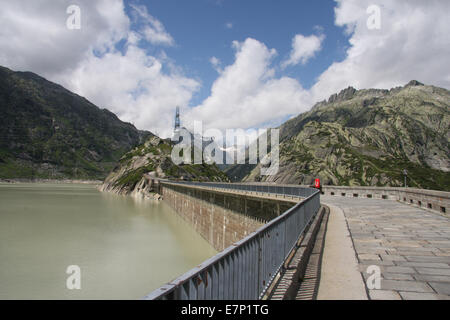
(289, 190)
(246, 269)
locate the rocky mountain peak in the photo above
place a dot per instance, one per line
(367, 137)
(345, 94)
(414, 83)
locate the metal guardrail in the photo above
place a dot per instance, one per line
(295, 191)
(246, 269)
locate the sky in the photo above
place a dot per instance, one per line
(228, 63)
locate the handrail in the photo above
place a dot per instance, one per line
(246, 269)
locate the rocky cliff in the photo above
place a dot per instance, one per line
(48, 132)
(153, 159)
(367, 137)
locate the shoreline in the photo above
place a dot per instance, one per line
(55, 181)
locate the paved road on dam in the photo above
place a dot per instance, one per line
(409, 245)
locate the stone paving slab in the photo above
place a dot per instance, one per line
(423, 296)
(411, 247)
(441, 287)
(384, 295)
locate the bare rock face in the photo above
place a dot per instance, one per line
(367, 137)
(345, 94)
(413, 83)
(48, 132)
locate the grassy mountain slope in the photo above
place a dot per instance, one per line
(367, 137)
(154, 157)
(47, 131)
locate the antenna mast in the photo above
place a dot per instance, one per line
(177, 119)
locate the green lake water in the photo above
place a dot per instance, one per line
(124, 247)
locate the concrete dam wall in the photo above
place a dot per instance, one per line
(222, 217)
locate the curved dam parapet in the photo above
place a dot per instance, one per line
(433, 200)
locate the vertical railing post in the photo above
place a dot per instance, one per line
(284, 240)
(259, 265)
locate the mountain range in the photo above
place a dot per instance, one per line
(362, 137)
(366, 137)
(48, 132)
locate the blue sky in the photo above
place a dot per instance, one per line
(200, 31)
(142, 58)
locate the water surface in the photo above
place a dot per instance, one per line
(124, 247)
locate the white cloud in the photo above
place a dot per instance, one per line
(131, 83)
(303, 49)
(33, 34)
(133, 86)
(247, 93)
(153, 30)
(215, 62)
(412, 43)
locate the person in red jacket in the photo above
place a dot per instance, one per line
(317, 184)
